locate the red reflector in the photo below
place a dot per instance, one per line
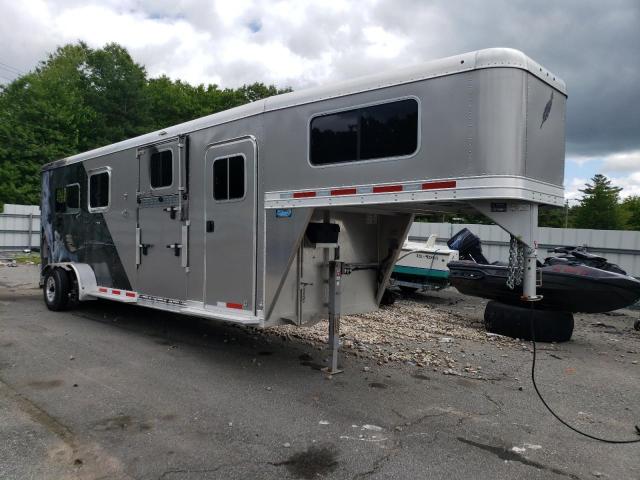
(435, 185)
(130, 294)
(344, 191)
(304, 194)
(387, 189)
(234, 305)
(115, 292)
(103, 290)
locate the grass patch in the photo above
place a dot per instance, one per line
(25, 258)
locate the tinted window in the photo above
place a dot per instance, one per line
(68, 199)
(99, 190)
(60, 200)
(236, 177)
(228, 178)
(379, 131)
(161, 169)
(73, 198)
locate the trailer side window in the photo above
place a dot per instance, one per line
(228, 178)
(161, 169)
(99, 191)
(61, 202)
(68, 199)
(378, 131)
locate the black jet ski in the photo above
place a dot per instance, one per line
(575, 281)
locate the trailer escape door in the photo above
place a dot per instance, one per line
(230, 225)
(162, 233)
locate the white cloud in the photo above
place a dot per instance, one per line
(582, 160)
(622, 162)
(630, 184)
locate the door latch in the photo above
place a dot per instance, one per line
(172, 212)
(176, 248)
(145, 247)
(303, 290)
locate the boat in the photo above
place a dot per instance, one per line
(423, 266)
(568, 283)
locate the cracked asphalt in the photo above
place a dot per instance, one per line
(114, 391)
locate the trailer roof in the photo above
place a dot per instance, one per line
(480, 59)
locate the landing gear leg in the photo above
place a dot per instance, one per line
(335, 293)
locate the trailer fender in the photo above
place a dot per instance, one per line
(84, 276)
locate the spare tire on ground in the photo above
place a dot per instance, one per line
(515, 322)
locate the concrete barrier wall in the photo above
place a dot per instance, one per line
(621, 247)
(19, 227)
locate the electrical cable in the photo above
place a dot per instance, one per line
(10, 68)
(565, 423)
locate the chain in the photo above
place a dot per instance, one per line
(516, 263)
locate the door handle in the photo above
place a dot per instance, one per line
(172, 212)
(210, 226)
(145, 247)
(176, 248)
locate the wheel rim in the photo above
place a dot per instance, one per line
(50, 289)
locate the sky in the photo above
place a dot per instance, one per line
(593, 45)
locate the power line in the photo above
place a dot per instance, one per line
(10, 68)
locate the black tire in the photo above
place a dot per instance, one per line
(515, 322)
(388, 298)
(408, 290)
(56, 289)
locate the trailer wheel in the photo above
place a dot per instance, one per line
(56, 289)
(515, 322)
(408, 290)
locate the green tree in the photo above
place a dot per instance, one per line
(43, 117)
(599, 207)
(115, 91)
(80, 98)
(631, 212)
(556, 217)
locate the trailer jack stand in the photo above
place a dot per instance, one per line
(337, 270)
(335, 294)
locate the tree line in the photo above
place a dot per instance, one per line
(80, 98)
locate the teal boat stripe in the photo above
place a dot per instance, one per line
(424, 272)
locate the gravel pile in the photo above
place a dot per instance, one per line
(409, 332)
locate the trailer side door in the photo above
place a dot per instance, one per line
(230, 225)
(162, 230)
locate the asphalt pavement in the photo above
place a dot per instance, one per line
(115, 391)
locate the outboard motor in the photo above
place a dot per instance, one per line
(468, 245)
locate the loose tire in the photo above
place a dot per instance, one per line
(56, 289)
(515, 322)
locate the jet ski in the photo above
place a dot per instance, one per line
(575, 281)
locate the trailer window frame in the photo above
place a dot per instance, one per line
(66, 189)
(355, 108)
(92, 173)
(244, 178)
(157, 152)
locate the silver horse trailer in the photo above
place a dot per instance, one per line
(295, 207)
